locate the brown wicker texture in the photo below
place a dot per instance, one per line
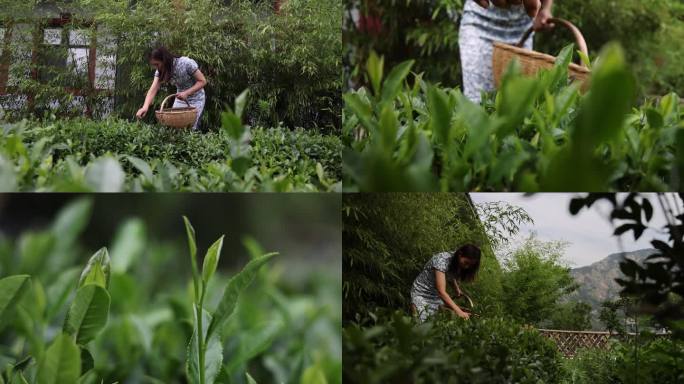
(531, 61)
(176, 117)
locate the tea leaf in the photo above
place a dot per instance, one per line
(192, 245)
(105, 175)
(250, 380)
(71, 221)
(252, 342)
(395, 80)
(374, 68)
(129, 244)
(58, 292)
(213, 354)
(97, 271)
(235, 286)
(211, 260)
(12, 289)
(604, 110)
(313, 375)
(241, 102)
(61, 363)
(440, 114)
(88, 313)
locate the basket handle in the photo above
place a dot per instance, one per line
(579, 38)
(161, 109)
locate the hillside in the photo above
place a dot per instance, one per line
(597, 281)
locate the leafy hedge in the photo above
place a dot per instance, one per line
(403, 133)
(82, 154)
(447, 350)
(654, 361)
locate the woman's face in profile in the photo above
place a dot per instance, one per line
(465, 262)
(156, 64)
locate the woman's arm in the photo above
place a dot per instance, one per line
(458, 289)
(531, 6)
(151, 93)
(541, 21)
(440, 282)
(199, 84)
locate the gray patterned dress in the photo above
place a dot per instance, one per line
(183, 78)
(479, 29)
(424, 290)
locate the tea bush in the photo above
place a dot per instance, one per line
(447, 350)
(533, 134)
(659, 360)
(130, 314)
(115, 155)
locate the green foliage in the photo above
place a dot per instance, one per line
(61, 364)
(447, 350)
(290, 59)
(571, 316)
(389, 238)
(114, 155)
(534, 280)
(648, 30)
(534, 134)
(278, 330)
(424, 31)
(658, 360)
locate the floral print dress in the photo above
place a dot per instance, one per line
(183, 77)
(479, 29)
(424, 293)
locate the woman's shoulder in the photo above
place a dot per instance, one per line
(440, 261)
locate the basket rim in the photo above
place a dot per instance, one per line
(537, 55)
(177, 111)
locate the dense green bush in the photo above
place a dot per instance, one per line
(659, 360)
(115, 155)
(289, 59)
(447, 350)
(402, 133)
(389, 238)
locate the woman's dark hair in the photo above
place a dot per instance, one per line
(166, 58)
(468, 251)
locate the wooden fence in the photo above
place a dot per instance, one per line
(569, 342)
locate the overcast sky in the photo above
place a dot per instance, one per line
(589, 233)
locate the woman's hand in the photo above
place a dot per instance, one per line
(141, 112)
(541, 22)
(463, 314)
(183, 95)
(531, 6)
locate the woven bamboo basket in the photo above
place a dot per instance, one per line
(531, 61)
(183, 117)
